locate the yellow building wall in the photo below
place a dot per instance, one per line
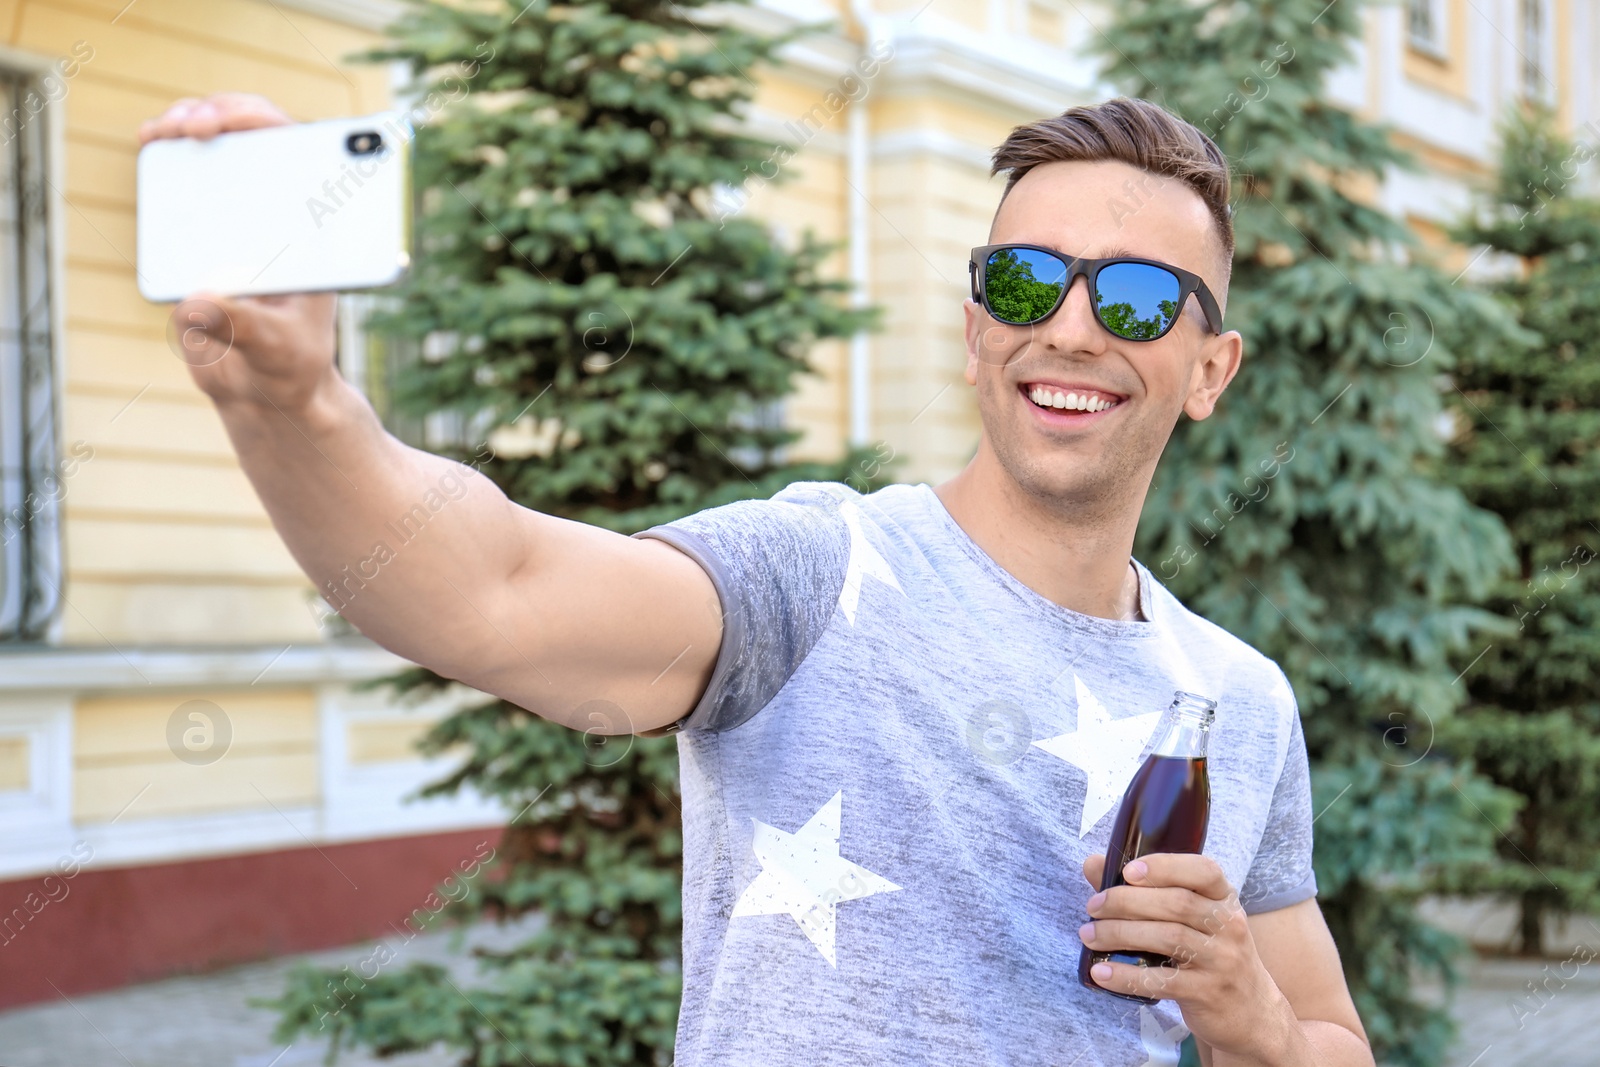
(14, 774)
(811, 193)
(974, 15)
(383, 740)
(164, 539)
(1561, 29)
(1046, 22)
(931, 210)
(123, 762)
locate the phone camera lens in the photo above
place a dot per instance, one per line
(363, 144)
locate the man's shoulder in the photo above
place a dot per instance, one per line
(806, 502)
(802, 517)
(887, 499)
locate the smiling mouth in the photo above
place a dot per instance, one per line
(1069, 401)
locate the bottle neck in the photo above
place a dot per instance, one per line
(1188, 727)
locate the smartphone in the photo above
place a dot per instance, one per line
(304, 208)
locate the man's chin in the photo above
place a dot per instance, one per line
(1058, 481)
(1090, 471)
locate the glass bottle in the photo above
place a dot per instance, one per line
(1164, 809)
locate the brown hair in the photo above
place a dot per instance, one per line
(1131, 131)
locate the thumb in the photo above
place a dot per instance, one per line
(201, 328)
(1093, 868)
(242, 321)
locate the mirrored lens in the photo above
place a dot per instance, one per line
(1135, 300)
(1022, 284)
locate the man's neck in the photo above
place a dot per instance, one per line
(1079, 559)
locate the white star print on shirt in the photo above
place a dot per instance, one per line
(803, 876)
(864, 560)
(1107, 750)
(1163, 1047)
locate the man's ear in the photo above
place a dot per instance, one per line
(1218, 363)
(974, 333)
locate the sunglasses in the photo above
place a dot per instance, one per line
(1135, 299)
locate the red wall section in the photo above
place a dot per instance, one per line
(106, 928)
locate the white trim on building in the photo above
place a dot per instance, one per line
(359, 800)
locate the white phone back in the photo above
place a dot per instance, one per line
(288, 209)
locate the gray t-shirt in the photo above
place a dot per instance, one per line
(902, 760)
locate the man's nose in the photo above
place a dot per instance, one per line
(1074, 327)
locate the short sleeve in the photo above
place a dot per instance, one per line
(777, 566)
(1281, 872)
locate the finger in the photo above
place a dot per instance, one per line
(1094, 867)
(170, 122)
(1167, 903)
(256, 322)
(200, 331)
(219, 113)
(1162, 983)
(1133, 935)
(215, 307)
(246, 111)
(203, 121)
(1202, 874)
(240, 321)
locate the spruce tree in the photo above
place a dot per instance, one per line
(1529, 423)
(1309, 515)
(612, 331)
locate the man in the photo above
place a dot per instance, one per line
(902, 718)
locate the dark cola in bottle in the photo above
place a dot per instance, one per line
(1165, 809)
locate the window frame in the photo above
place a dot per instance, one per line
(1438, 45)
(1534, 58)
(45, 559)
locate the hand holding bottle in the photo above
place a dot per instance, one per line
(1182, 906)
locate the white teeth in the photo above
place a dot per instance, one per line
(1047, 398)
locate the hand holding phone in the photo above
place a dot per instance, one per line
(276, 207)
(261, 350)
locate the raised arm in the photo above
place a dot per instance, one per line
(424, 555)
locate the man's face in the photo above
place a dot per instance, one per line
(1070, 457)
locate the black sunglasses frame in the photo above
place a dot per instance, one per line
(1188, 282)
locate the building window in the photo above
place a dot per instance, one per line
(1535, 83)
(1425, 26)
(30, 478)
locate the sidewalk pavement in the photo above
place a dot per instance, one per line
(1512, 1013)
(204, 1020)
(1521, 1013)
